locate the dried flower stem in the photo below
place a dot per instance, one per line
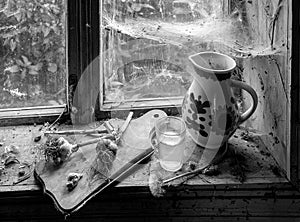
(194, 173)
(71, 132)
(75, 147)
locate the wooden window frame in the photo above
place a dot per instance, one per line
(39, 114)
(295, 97)
(83, 49)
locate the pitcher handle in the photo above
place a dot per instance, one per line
(250, 90)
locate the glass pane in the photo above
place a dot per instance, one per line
(147, 43)
(32, 53)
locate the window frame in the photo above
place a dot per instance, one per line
(295, 96)
(40, 114)
(82, 49)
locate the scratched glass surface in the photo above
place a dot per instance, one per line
(147, 43)
(32, 53)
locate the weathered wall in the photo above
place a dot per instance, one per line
(268, 72)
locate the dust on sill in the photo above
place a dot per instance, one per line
(247, 160)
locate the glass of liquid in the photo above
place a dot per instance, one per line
(170, 134)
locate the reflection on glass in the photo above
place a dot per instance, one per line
(32, 53)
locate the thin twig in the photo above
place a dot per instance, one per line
(118, 132)
(71, 132)
(88, 142)
(194, 173)
(49, 127)
(126, 123)
(25, 177)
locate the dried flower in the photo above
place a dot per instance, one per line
(57, 150)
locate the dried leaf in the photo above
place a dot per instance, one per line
(12, 149)
(21, 173)
(72, 180)
(10, 159)
(104, 159)
(52, 67)
(212, 171)
(13, 69)
(2, 168)
(37, 138)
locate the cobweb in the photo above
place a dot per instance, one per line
(185, 26)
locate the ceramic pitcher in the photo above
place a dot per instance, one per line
(209, 108)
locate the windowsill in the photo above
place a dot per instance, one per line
(261, 171)
(27, 115)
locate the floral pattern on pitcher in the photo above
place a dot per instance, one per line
(196, 107)
(223, 123)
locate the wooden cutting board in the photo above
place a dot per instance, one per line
(134, 142)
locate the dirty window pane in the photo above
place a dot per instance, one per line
(32, 53)
(146, 44)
